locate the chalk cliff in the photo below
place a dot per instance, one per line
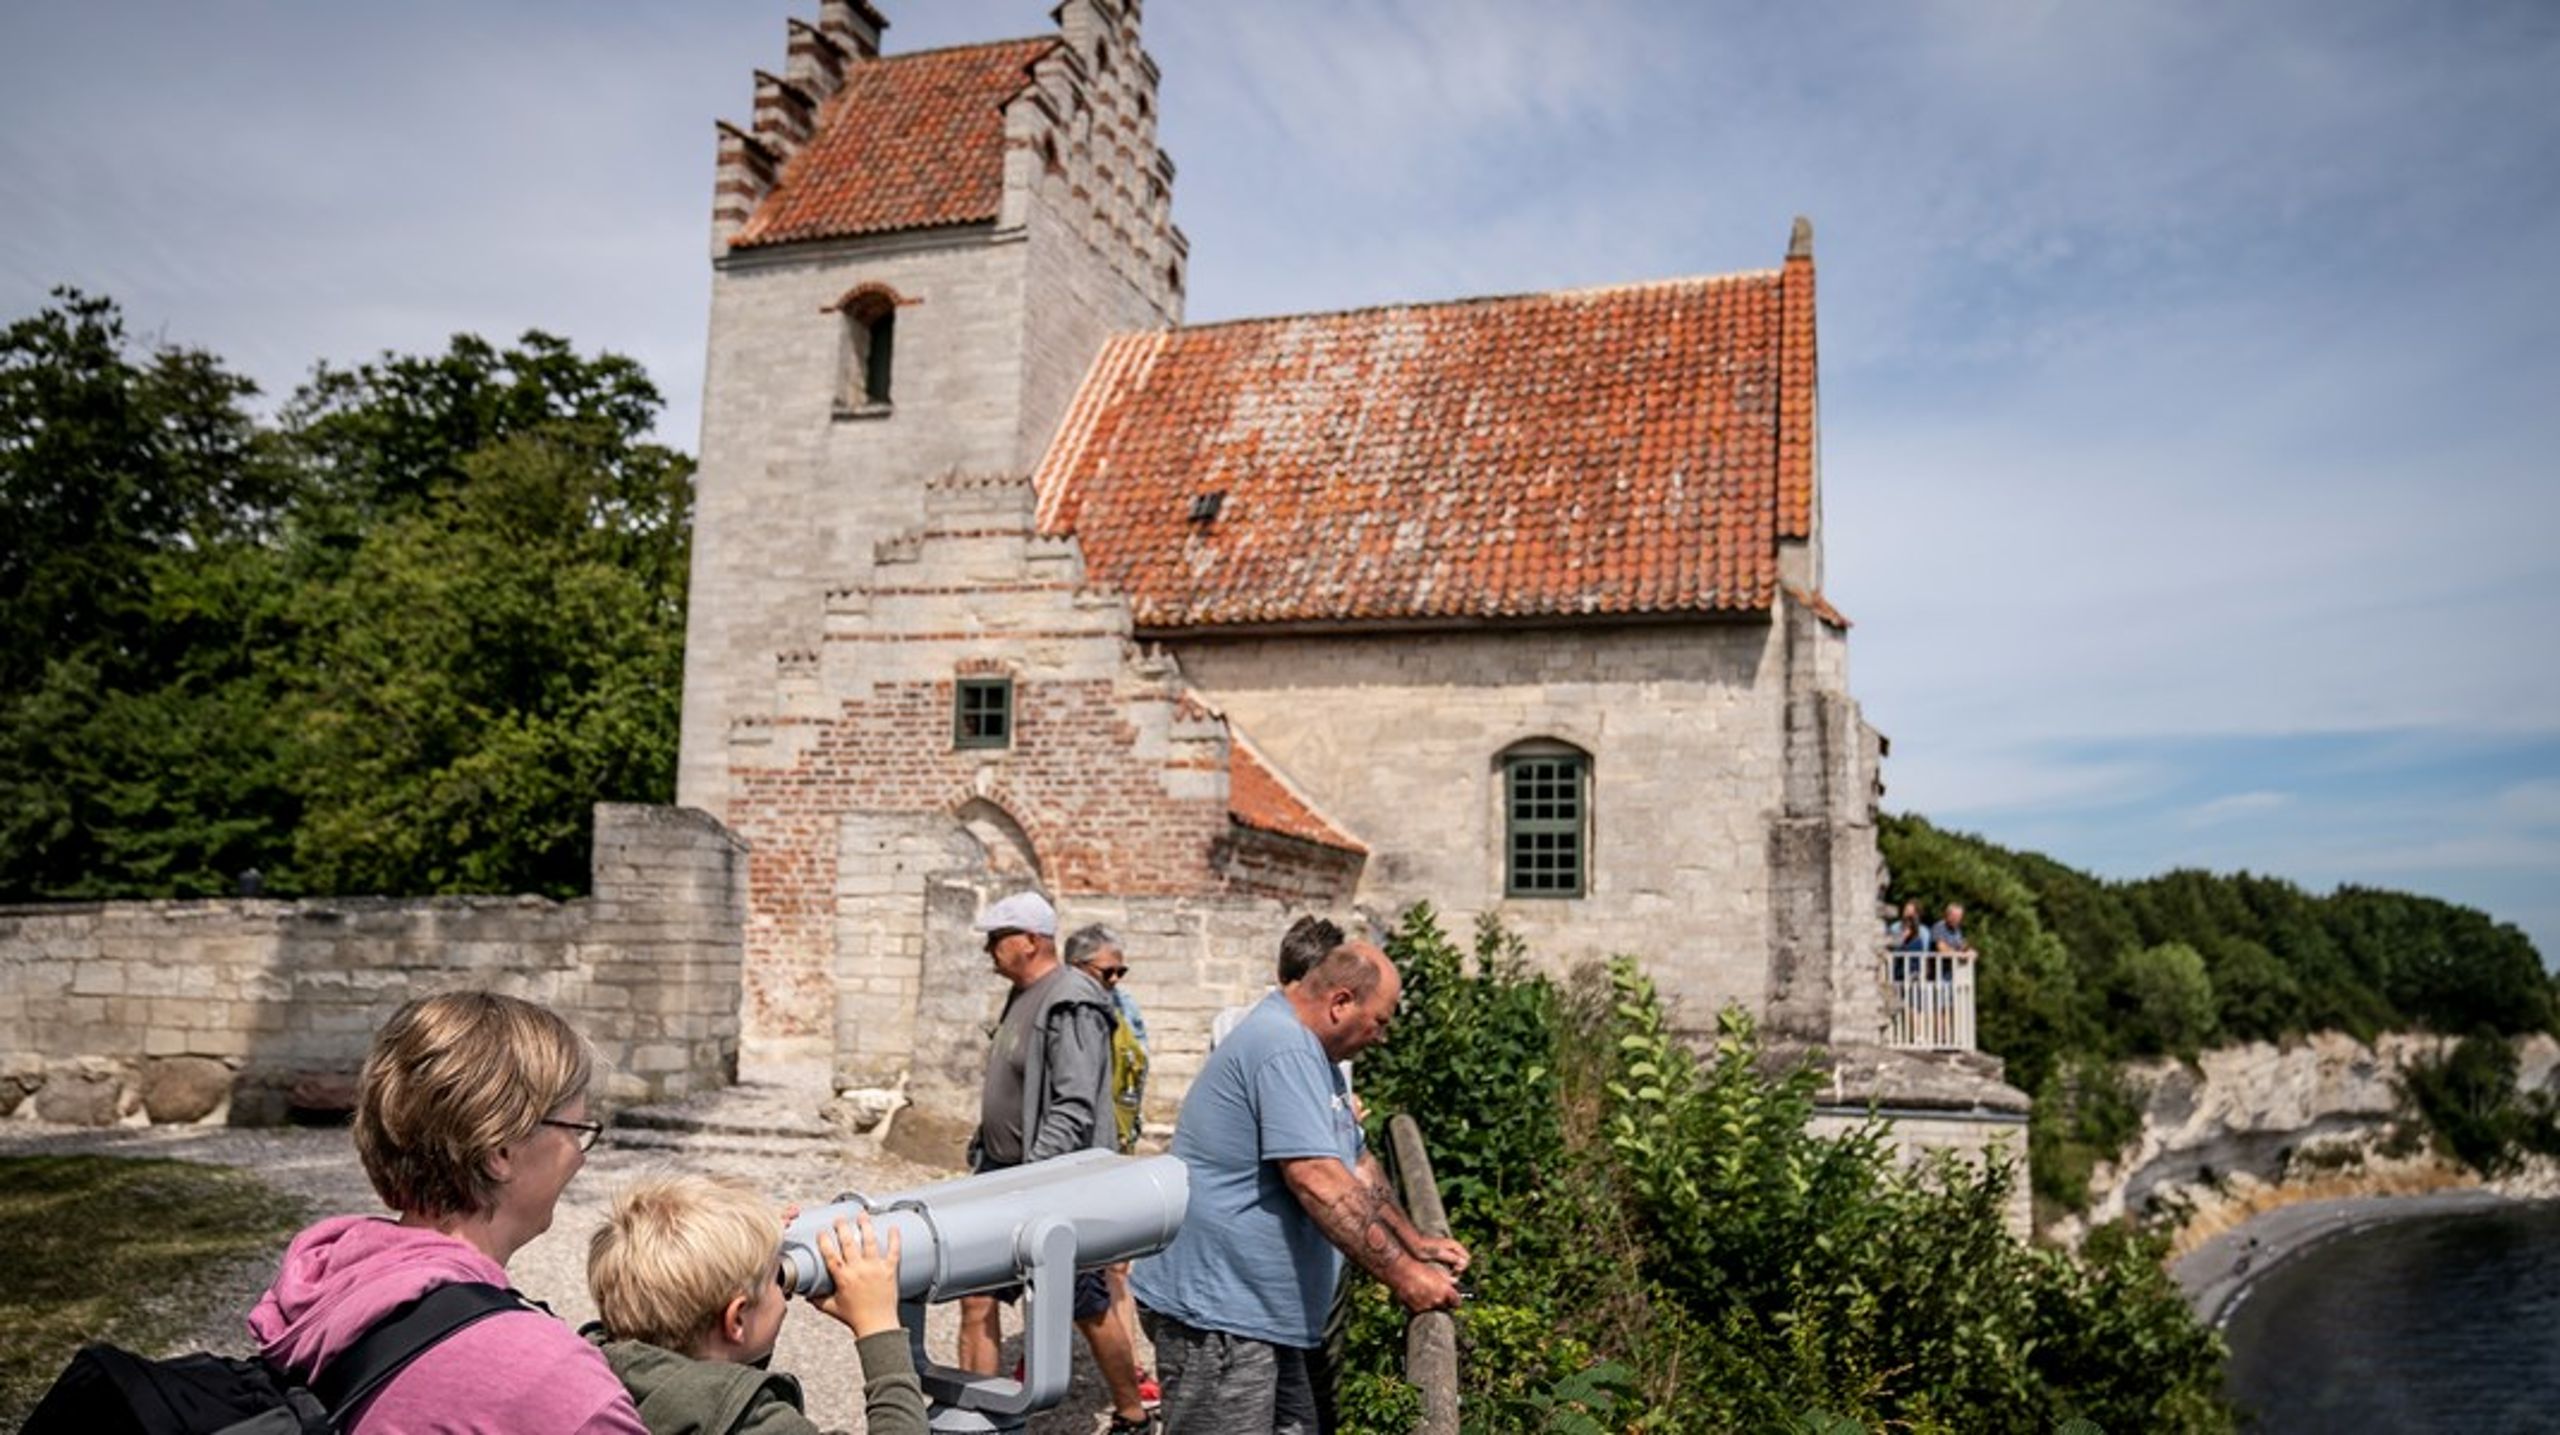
(2314, 1113)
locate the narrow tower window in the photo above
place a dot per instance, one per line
(879, 347)
(869, 350)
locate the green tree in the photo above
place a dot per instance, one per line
(399, 644)
(139, 506)
(2255, 997)
(488, 668)
(2161, 1000)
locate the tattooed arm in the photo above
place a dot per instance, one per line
(1431, 1248)
(1355, 1215)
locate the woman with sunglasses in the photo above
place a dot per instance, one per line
(471, 1118)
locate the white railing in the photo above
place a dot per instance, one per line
(1929, 1000)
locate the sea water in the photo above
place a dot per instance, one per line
(2433, 1323)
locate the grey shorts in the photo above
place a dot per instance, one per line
(1221, 1384)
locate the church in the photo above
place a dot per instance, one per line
(1004, 576)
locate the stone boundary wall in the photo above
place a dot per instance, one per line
(244, 1010)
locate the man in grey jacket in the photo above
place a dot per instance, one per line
(1047, 1094)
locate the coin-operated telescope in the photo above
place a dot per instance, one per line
(1034, 1226)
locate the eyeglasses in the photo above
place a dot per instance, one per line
(1109, 974)
(996, 938)
(589, 1132)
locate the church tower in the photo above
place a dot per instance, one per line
(915, 258)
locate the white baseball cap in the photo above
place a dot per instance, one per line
(1021, 912)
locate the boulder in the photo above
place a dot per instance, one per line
(928, 1137)
(322, 1095)
(862, 1109)
(20, 1077)
(177, 1090)
(80, 1096)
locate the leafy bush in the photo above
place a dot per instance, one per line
(1691, 1256)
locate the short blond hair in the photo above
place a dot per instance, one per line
(674, 1251)
(451, 1079)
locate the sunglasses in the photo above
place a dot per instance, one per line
(1110, 974)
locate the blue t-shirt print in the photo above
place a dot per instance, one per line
(1249, 1261)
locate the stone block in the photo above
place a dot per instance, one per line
(326, 1094)
(182, 1089)
(98, 979)
(81, 1095)
(654, 1058)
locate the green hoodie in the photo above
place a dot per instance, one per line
(679, 1395)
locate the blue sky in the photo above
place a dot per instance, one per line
(2190, 408)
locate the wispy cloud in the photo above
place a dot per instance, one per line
(2237, 806)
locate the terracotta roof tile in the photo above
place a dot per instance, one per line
(1591, 452)
(909, 142)
(1259, 798)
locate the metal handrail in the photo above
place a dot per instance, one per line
(1431, 1338)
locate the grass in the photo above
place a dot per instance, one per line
(105, 1248)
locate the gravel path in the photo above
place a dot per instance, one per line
(319, 1166)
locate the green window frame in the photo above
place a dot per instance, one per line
(1546, 803)
(982, 712)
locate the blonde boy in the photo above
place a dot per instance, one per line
(686, 1273)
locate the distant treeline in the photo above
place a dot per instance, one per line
(397, 640)
(2078, 973)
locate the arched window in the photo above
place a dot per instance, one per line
(869, 348)
(1546, 819)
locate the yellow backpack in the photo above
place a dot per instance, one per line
(1128, 1080)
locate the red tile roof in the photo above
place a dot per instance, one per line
(1260, 798)
(909, 142)
(1638, 449)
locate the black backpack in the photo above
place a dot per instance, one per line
(107, 1391)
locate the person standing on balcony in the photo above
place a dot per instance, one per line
(1910, 934)
(1953, 953)
(1237, 1304)
(1948, 935)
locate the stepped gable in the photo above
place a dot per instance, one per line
(1633, 450)
(911, 141)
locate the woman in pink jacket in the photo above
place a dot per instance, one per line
(471, 1116)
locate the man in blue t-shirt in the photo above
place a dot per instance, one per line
(1239, 1299)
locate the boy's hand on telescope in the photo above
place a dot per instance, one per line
(865, 1272)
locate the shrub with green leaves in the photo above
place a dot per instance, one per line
(1663, 1243)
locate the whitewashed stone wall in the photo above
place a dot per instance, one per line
(791, 498)
(1400, 737)
(182, 1011)
(1914, 1136)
